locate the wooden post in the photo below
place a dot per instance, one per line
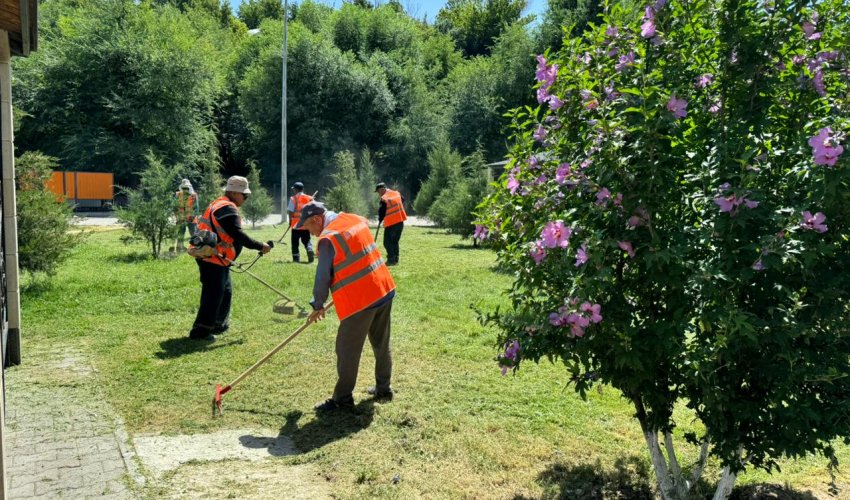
(13, 299)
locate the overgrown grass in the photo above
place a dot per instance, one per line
(456, 429)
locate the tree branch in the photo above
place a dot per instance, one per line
(678, 481)
(700, 465)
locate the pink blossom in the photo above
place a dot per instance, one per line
(625, 61)
(540, 133)
(649, 13)
(725, 203)
(533, 162)
(618, 200)
(634, 221)
(612, 32)
(540, 180)
(647, 29)
(555, 102)
(542, 95)
(581, 255)
(825, 147)
(714, 108)
(758, 265)
(542, 67)
(809, 30)
(602, 196)
(593, 310)
(562, 173)
(814, 222)
(817, 82)
(704, 80)
(798, 59)
(593, 104)
(555, 234)
(626, 247)
(481, 232)
(513, 183)
(611, 94)
(659, 4)
(679, 107)
(657, 40)
(585, 58)
(538, 253)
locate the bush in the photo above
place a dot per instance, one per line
(455, 206)
(150, 207)
(346, 195)
(676, 216)
(444, 166)
(43, 221)
(259, 203)
(368, 179)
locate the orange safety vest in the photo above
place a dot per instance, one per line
(185, 205)
(360, 277)
(395, 208)
(298, 201)
(225, 241)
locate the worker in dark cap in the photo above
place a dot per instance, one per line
(391, 213)
(351, 269)
(296, 203)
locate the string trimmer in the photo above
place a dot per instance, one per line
(284, 305)
(221, 391)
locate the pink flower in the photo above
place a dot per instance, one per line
(825, 148)
(817, 82)
(618, 200)
(725, 203)
(625, 61)
(612, 32)
(538, 253)
(809, 30)
(513, 183)
(647, 29)
(626, 247)
(814, 222)
(542, 67)
(533, 162)
(611, 94)
(562, 173)
(585, 58)
(714, 108)
(481, 232)
(602, 196)
(593, 310)
(555, 102)
(542, 95)
(704, 80)
(649, 13)
(591, 104)
(758, 265)
(540, 134)
(511, 350)
(679, 107)
(581, 255)
(555, 234)
(634, 221)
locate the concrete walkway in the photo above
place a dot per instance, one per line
(64, 440)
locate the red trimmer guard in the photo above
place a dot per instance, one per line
(219, 392)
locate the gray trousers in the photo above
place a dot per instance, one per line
(350, 337)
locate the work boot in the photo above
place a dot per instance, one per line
(296, 258)
(331, 404)
(386, 394)
(310, 256)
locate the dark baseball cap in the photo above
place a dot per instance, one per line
(309, 210)
(298, 185)
(380, 185)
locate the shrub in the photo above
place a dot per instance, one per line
(444, 166)
(687, 238)
(345, 196)
(150, 207)
(44, 241)
(259, 203)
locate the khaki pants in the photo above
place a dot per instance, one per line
(350, 337)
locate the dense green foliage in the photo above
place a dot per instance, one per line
(676, 215)
(43, 221)
(188, 83)
(258, 206)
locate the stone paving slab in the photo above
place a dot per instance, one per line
(64, 440)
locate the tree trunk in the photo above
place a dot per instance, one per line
(659, 463)
(727, 482)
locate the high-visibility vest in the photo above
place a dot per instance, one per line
(225, 241)
(395, 208)
(298, 201)
(186, 206)
(360, 277)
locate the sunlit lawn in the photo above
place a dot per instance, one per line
(457, 428)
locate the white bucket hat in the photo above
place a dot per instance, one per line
(237, 184)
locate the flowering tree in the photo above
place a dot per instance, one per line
(685, 235)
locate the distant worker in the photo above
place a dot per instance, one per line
(187, 212)
(351, 269)
(296, 203)
(223, 219)
(391, 213)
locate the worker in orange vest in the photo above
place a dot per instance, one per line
(391, 213)
(350, 267)
(221, 218)
(187, 211)
(296, 203)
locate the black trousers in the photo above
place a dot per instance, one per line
(216, 293)
(302, 236)
(350, 337)
(392, 235)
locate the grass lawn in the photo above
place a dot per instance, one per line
(457, 428)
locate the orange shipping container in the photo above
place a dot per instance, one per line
(81, 185)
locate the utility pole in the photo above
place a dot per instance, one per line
(284, 186)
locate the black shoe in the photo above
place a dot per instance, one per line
(332, 404)
(200, 333)
(296, 258)
(383, 394)
(310, 257)
(218, 330)
(205, 338)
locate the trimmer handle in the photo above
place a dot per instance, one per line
(270, 243)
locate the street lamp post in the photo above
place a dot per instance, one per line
(284, 189)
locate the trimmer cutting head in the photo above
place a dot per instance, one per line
(216, 402)
(284, 306)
